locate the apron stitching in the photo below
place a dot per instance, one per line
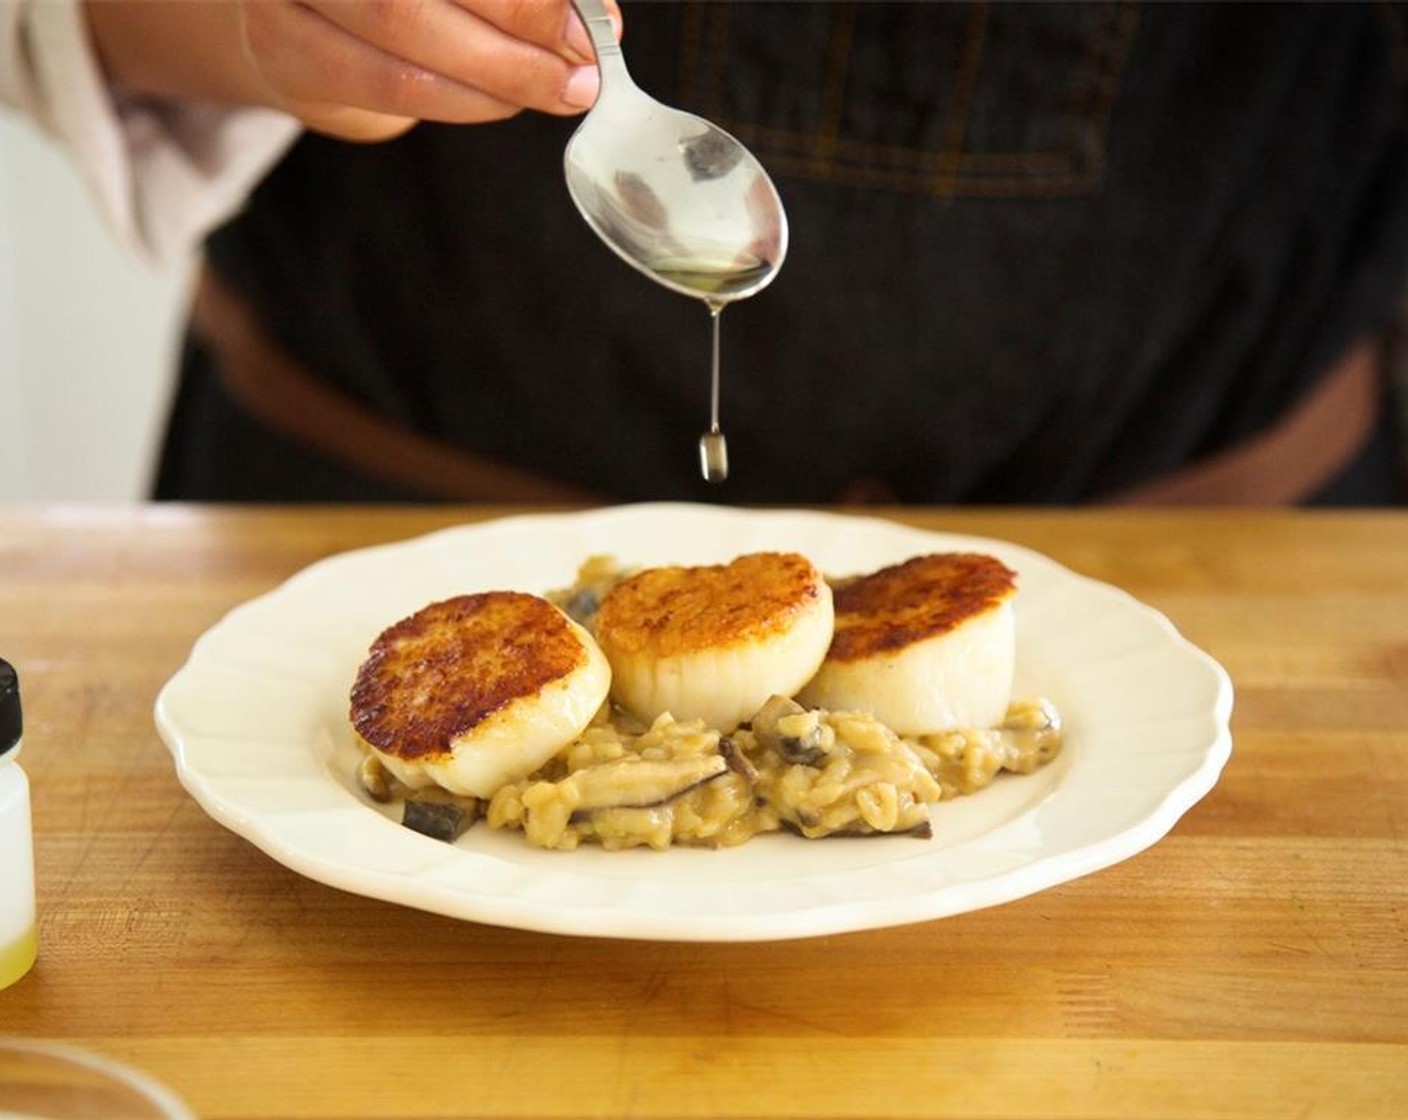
(905, 179)
(923, 157)
(827, 154)
(833, 99)
(1101, 75)
(965, 82)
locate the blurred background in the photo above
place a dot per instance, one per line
(88, 336)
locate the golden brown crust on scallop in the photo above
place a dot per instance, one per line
(675, 610)
(441, 672)
(923, 598)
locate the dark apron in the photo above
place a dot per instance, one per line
(1040, 253)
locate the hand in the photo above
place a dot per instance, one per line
(356, 69)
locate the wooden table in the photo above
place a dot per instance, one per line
(1252, 964)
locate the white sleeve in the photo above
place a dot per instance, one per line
(164, 173)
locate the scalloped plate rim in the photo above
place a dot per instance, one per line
(649, 905)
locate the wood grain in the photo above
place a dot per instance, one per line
(1254, 963)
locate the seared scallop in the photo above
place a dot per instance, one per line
(924, 646)
(714, 642)
(476, 691)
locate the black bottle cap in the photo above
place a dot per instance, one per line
(11, 723)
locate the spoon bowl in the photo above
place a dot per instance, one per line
(673, 195)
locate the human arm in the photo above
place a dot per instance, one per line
(355, 70)
(171, 125)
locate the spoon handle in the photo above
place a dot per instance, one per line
(599, 27)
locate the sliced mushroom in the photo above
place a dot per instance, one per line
(799, 736)
(737, 761)
(638, 784)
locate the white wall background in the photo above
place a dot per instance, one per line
(88, 337)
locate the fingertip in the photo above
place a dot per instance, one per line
(579, 42)
(582, 86)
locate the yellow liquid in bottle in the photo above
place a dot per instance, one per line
(18, 957)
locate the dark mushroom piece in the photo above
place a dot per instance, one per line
(440, 820)
(582, 606)
(799, 736)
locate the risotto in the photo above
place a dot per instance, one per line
(813, 773)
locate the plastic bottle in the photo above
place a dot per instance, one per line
(19, 943)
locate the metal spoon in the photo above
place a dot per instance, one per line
(670, 193)
(675, 197)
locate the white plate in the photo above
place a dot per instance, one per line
(257, 723)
